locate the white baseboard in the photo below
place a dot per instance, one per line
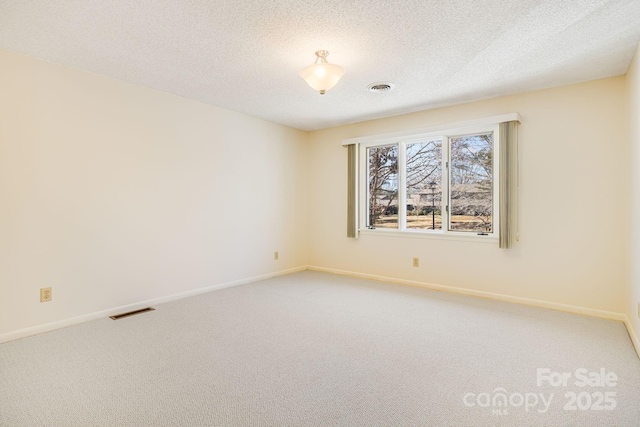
(470, 292)
(22, 333)
(47, 327)
(632, 335)
(610, 315)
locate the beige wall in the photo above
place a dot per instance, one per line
(633, 84)
(574, 220)
(113, 194)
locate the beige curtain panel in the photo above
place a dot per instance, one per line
(508, 184)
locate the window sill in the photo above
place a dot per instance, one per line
(429, 235)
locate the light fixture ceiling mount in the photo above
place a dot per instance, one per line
(322, 76)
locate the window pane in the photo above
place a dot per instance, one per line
(383, 186)
(472, 183)
(424, 194)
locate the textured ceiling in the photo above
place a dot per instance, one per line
(245, 55)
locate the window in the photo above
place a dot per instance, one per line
(433, 183)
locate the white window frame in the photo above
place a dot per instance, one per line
(402, 139)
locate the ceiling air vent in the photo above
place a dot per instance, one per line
(380, 87)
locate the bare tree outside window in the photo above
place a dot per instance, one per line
(383, 186)
(424, 178)
(471, 184)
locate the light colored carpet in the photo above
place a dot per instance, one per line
(312, 349)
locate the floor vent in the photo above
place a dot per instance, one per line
(131, 313)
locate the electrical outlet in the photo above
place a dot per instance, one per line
(45, 294)
(416, 262)
(276, 256)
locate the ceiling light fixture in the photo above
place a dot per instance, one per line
(322, 76)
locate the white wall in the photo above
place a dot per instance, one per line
(113, 194)
(574, 212)
(633, 85)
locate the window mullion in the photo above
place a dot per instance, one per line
(496, 181)
(446, 176)
(402, 186)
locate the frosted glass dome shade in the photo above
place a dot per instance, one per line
(322, 76)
